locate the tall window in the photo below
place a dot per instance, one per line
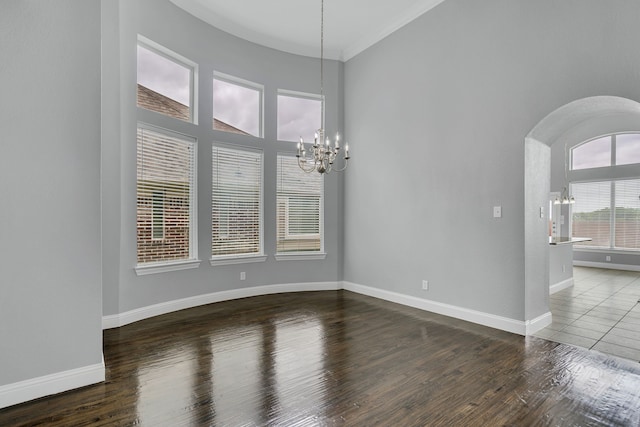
(608, 211)
(165, 196)
(591, 214)
(236, 209)
(299, 115)
(299, 208)
(165, 81)
(237, 105)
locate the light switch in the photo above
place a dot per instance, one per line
(497, 211)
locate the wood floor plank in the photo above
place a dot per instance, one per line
(336, 358)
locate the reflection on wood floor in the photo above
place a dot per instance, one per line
(338, 359)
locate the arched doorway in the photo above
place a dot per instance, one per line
(577, 121)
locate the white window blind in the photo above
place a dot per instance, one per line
(299, 208)
(236, 208)
(165, 196)
(627, 214)
(592, 212)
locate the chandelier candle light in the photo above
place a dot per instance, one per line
(323, 153)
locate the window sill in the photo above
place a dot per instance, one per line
(296, 256)
(163, 267)
(605, 250)
(235, 259)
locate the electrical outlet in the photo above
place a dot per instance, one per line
(243, 275)
(564, 268)
(425, 285)
(608, 258)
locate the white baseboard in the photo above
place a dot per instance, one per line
(504, 323)
(117, 320)
(627, 267)
(557, 287)
(540, 322)
(23, 391)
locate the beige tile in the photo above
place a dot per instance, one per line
(616, 350)
(605, 315)
(591, 326)
(557, 326)
(622, 341)
(598, 320)
(545, 333)
(574, 340)
(628, 333)
(583, 332)
(610, 310)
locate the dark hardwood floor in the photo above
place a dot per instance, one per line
(338, 359)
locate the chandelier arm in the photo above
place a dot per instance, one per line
(344, 167)
(301, 165)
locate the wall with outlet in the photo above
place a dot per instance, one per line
(560, 264)
(461, 87)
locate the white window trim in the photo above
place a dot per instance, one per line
(216, 260)
(236, 259)
(164, 267)
(606, 250)
(306, 255)
(179, 59)
(193, 261)
(249, 85)
(300, 256)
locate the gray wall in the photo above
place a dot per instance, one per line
(212, 49)
(50, 286)
(560, 256)
(438, 113)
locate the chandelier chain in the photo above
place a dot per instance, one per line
(322, 152)
(322, 58)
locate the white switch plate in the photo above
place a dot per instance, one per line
(243, 275)
(497, 211)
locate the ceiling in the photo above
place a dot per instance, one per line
(350, 26)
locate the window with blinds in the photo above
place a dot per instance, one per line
(591, 214)
(299, 208)
(165, 196)
(236, 202)
(627, 214)
(608, 212)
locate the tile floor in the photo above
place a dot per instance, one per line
(600, 312)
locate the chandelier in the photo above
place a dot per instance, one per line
(565, 198)
(323, 152)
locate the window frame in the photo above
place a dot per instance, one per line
(180, 60)
(301, 255)
(613, 152)
(192, 261)
(609, 174)
(217, 260)
(228, 78)
(301, 95)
